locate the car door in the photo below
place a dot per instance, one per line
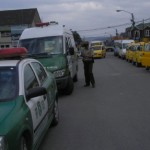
(43, 78)
(38, 105)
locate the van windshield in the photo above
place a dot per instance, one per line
(8, 83)
(51, 45)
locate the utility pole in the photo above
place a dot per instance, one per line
(132, 20)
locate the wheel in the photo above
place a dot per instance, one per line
(70, 86)
(137, 64)
(133, 63)
(147, 68)
(23, 144)
(55, 114)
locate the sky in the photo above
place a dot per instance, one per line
(87, 17)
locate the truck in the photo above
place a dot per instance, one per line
(54, 46)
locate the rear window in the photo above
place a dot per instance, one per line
(8, 83)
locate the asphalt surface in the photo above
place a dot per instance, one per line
(115, 115)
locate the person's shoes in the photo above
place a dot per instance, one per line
(93, 85)
(86, 85)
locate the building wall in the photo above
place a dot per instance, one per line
(9, 35)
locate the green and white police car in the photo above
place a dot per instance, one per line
(28, 101)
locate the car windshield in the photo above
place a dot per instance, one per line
(50, 45)
(95, 48)
(8, 83)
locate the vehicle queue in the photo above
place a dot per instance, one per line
(137, 53)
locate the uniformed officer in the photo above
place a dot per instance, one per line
(88, 60)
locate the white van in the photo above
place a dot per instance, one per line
(122, 47)
(54, 46)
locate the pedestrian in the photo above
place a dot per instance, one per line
(88, 60)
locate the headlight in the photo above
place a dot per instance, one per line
(3, 144)
(59, 73)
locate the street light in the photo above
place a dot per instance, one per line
(132, 20)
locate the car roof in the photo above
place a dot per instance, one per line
(15, 62)
(46, 31)
(8, 62)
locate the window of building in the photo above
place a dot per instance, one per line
(2, 46)
(6, 34)
(147, 33)
(137, 34)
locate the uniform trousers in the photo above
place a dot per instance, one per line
(88, 72)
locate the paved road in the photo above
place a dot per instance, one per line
(113, 116)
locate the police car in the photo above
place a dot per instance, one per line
(28, 100)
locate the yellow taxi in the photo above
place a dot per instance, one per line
(99, 51)
(128, 49)
(138, 53)
(146, 56)
(129, 54)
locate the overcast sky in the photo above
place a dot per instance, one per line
(88, 18)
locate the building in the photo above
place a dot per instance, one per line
(13, 22)
(140, 32)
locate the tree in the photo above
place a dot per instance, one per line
(77, 37)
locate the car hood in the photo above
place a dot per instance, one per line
(5, 109)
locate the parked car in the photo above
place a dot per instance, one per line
(130, 53)
(123, 45)
(146, 56)
(28, 100)
(138, 53)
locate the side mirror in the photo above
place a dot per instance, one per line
(36, 91)
(71, 51)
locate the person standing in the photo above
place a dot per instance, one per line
(88, 60)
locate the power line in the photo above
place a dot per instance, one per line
(109, 27)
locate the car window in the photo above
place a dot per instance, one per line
(30, 80)
(40, 71)
(8, 83)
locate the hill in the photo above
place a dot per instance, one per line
(101, 38)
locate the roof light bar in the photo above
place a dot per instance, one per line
(13, 52)
(46, 23)
(42, 24)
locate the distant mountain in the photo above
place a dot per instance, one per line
(101, 38)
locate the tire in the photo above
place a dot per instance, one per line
(133, 63)
(24, 144)
(137, 64)
(55, 114)
(70, 86)
(147, 68)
